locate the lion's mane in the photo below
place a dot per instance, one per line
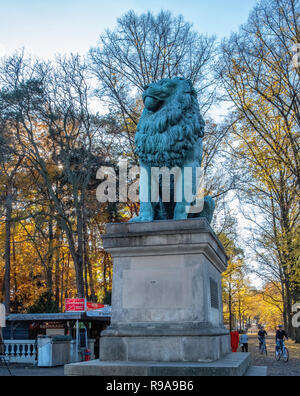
(166, 136)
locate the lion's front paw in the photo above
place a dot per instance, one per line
(180, 212)
(146, 214)
(141, 219)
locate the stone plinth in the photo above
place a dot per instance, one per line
(232, 365)
(166, 303)
(166, 299)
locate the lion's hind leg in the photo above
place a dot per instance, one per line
(208, 210)
(146, 213)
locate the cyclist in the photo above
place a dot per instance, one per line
(280, 335)
(262, 336)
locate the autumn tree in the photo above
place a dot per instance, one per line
(10, 163)
(235, 284)
(144, 49)
(259, 77)
(269, 305)
(60, 139)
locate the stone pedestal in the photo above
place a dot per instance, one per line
(166, 301)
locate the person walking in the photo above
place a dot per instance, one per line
(235, 339)
(244, 339)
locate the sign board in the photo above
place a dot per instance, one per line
(2, 315)
(81, 305)
(75, 305)
(90, 306)
(103, 312)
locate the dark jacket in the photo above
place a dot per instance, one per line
(280, 334)
(262, 333)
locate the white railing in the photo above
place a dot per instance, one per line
(19, 351)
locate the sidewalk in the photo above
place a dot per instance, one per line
(32, 371)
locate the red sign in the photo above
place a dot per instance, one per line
(80, 305)
(75, 305)
(90, 306)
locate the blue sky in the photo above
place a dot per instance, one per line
(46, 27)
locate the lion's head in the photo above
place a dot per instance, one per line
(170, 124)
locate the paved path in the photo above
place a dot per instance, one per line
(292, 368)
(33, 371)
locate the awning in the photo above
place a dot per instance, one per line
(61, 317)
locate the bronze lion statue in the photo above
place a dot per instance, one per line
(168, 143)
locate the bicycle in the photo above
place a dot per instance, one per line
(281, 351)
(263, 346)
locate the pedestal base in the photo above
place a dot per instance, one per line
(207, 347)
(167, 296)
(234, 364)
(167, 314)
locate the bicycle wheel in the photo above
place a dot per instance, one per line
(285, 355)
(265, 350)
(277, 355)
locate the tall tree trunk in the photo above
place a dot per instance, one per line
(67, 281)
(15, 288)
(88, 266)
(8, 214)
(49, 264)
(57, 253)
(297, 335)
(79, 274)
(240, 314)
(230, 309)
(57, 277)
(79, 253)
(105, 272)
(86, 284)
(76, 254)
(62, 283)
(290, 329)
(284, 312)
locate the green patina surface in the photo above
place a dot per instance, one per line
(169, 134)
